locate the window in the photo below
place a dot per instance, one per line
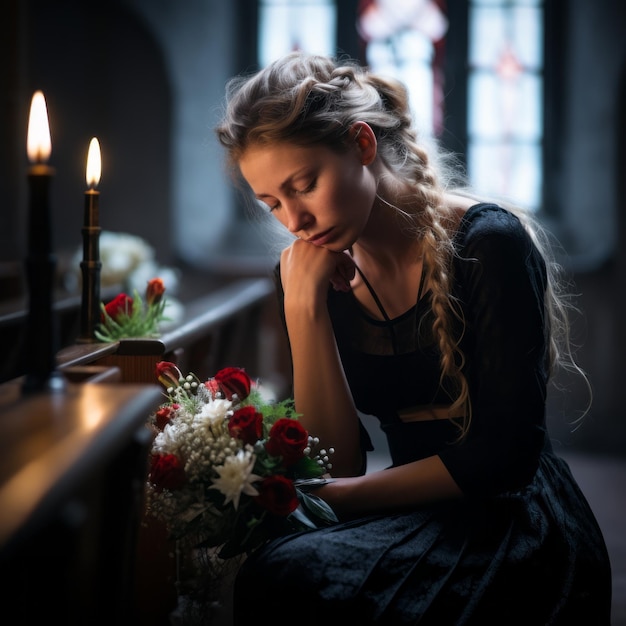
(405, 40)
(505, 95)
(286, 25)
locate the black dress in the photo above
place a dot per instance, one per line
(523, 547)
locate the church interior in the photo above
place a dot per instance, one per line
(147, 77)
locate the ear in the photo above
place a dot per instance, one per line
(365, 139)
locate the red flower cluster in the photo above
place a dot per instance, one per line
(167, 472)
(127, 316)
(121, 304)
(287, 439)
(246, 424)
(230, 381)
(277, 495)
(154, 291)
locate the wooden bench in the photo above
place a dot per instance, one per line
(72, 471)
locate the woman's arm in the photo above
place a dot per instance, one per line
(320, 389)
(394, 489)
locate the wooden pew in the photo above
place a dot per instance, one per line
(13, 328)
(72, 471)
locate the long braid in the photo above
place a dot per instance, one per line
(408, 160)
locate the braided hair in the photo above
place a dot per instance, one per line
(308, 99)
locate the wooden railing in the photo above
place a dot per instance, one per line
(225, 327)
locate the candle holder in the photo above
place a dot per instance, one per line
(90, 268)
(91, 265)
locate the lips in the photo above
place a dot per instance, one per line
(321, 239)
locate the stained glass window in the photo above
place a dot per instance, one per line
(505, 94)
(404, 39)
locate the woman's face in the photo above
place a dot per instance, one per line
(320, 195)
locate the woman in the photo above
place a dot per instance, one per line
(441, 316)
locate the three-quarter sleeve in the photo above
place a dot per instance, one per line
(501, 280)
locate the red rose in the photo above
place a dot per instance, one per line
(278, 495)
(165, 414)
(121, 304)
(231, 381)
(154, 291)
(168, 374)
(246, 424)
(287, 439)
(166, 472)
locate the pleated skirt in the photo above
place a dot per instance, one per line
(535, 557)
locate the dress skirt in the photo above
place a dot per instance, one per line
(534, 557)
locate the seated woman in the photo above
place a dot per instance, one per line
(440, 314)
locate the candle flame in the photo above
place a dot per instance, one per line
(38, 144)
(94, 163)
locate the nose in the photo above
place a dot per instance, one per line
(297, 217)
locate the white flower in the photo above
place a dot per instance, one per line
(214, 412)
(236, 477)
(168, 441)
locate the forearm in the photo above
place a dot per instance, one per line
(321, 392)
(395, 489)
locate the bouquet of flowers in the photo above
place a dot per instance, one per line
(228, 469)
(127, 316)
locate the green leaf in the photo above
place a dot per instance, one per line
(307, 467)
(320, 509)
(314, 512)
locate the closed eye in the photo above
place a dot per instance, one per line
(267, 206)
(311, 187)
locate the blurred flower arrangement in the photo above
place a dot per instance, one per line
(228, 469)
(127, 260)
(127, 316)
(128, 263)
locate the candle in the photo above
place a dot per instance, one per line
(39, 147)
(41, 339)
(91, 265)
(93, 171)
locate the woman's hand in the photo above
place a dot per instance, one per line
(305, 266)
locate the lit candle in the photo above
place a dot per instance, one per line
(41, 329)
(39, 147)
(94, 168)
(91, 265)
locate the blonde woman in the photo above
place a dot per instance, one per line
(438, 313)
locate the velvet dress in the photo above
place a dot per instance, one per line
(523, 546)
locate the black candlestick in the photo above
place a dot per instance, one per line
(90, 268)
(41, 327)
